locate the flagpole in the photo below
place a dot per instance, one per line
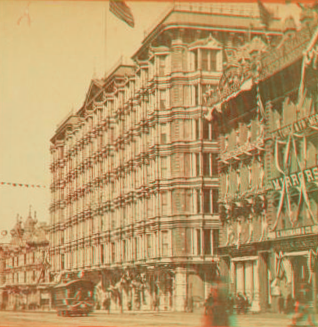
(105, 39)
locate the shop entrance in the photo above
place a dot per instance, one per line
(301, 286)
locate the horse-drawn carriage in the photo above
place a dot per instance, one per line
(74, 298)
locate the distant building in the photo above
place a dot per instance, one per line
(135, 187)
(268, 166)
(24, 268)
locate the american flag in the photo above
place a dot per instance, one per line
(122, 11)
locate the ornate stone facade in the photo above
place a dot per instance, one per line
(25, 277)
(134, 171)
(268, 168)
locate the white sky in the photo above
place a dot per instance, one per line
(45, 72)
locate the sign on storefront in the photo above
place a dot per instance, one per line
(294, 179)
(293, 232)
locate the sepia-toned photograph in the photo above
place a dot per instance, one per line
(158, 163)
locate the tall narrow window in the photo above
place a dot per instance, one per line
(164, 167)
(113, 252)
(198, 194)
(195, 56)
(197, 95)
(215, 200)
(213, 60)
(124, 250)
(205, 59)
(215, 240)
(187, 164)
(102, 259)
(197, 162)
(197, 129)
(206, 164)
(207, 241)
(165, 243)
(207, 201)
(62, 262)
(214, 164)
(149, 246)
(206, 130)
(163, 134)
(164, 202)
(198, 241)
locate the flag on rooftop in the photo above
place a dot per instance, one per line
(122, 11)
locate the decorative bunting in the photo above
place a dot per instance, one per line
(22, 185)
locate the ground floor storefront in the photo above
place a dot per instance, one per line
(272, 274)
(149, 288)
(26, 297)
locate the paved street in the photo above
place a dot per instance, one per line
(132, 319)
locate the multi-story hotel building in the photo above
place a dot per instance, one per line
(134, 171)
(268, 167)
(24, 268)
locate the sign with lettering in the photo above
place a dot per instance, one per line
(309, 175)
(297, 126)
(293, 232)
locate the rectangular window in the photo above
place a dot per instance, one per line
(207, 201)
(206, 164)
(198, 194)
(205, 59)
(165, 243)
(62, 262)
(195, 56)
(164, 167)
(163, 100)
(213, 60)
(197, 95)
(164, 202)
(124, 256)
(187, 164)
(163, 134)
(207, 241)
(215, 200)
(214, 164)
(149, 246)
(206, 130)
(198, 241)
(197, 129)
(113, 252)
(188, 200)
(197, 162)
(215, 133)
(215, 240)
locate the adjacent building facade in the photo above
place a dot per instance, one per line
(24, 271)
(268, 166)
(135, 187)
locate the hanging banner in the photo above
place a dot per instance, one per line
(297, 127)
(293, 232)
(294, 179)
